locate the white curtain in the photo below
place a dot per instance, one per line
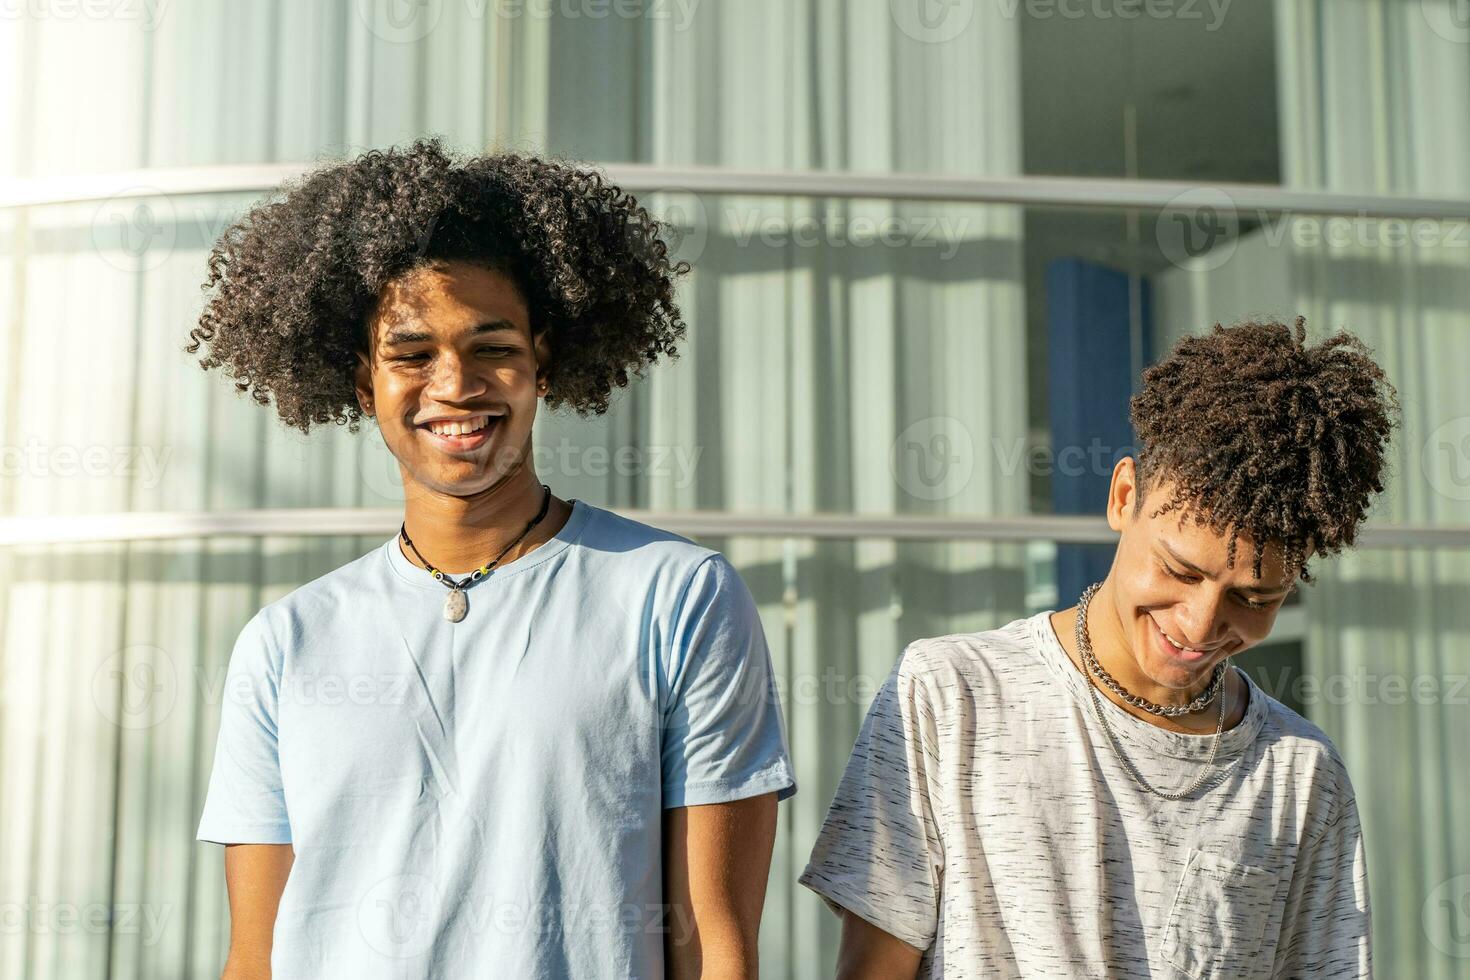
(1389, 86)
(847, 356)
(823, 365)
(1375, 98)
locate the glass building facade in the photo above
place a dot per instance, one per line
(913, 226)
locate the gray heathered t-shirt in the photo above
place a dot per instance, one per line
(984, 818)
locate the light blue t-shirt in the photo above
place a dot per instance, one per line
(485, 797)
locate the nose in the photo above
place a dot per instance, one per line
(1201, 619)
(454, 379)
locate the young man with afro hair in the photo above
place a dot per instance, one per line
(562, 750)
(1097, 791)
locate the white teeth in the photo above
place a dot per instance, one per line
(459, 428)
(1177, 645)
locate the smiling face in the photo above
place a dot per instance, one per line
(1180, 608)
(453, 377)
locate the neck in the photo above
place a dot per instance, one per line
(459, 534)
(1113, 647)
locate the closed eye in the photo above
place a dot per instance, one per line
(493, 349)
(1176, 575)
(1253, 604)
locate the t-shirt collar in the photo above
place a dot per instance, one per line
(1135, 730)
(415, 576)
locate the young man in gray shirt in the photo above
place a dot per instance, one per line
(1097, 792)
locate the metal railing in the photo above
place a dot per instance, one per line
(1073, 192)
(60, 529)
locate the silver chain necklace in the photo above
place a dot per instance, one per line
(1217, 677)
(456, 604)
(1084, 648)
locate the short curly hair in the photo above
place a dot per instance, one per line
(295, 281)
(1262, 434)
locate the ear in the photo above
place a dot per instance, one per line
(542, 347)
(363, 382)
(1122, 493)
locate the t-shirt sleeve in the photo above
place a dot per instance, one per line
(1326, 925)
(879, 853)
(245, 802)
(723, 734)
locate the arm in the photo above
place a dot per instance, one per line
(725, 767)
(245, 805)
(878, 861)
(255, 875)
(869, 953)
(717, 858)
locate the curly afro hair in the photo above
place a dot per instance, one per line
(295, 281)
(1261, 434)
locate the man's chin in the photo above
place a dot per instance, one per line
(1183, 679)
(463, 478)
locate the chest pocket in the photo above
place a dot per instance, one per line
(1222, 914)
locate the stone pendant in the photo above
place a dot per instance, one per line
(456, 605)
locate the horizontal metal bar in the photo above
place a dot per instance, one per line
(63, 529)
(1071, 192)
(151, 182)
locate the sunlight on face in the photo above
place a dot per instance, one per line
(1181, 607)
(453, 340)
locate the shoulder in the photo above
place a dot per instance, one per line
(1305, 758)
(1300, 739)
(630, 554)
(321, 599)
(621, 540)
(967, 664)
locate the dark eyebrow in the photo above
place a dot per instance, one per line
(409, 335)
(1191, 566)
